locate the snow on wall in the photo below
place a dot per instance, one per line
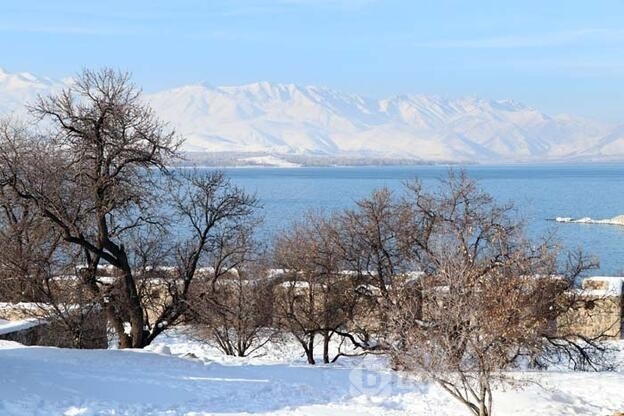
(603, 285)
(7, 327)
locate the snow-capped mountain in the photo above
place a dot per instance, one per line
(292, 119)
(18, 89)
(609, 147)
(289, 119)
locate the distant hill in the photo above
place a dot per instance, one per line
(286, 122)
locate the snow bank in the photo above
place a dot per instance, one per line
(617, 220)
(54, 381)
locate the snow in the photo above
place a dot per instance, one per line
(286, 118)
(7, 327)
(180, 376)
(609, 285)
(17, 89)
(617, 220)
(295, 284)
(27, 306)
(269, 160)
(277, 119)
(34, 308)
(564, 219)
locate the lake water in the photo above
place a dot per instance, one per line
(539, 192)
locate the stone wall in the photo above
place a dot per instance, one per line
(71, 332)
(597, 310)
(593, 317)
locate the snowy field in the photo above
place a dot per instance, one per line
(178, 376)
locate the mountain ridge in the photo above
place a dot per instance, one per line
(290, 119)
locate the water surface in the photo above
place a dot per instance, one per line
(539, 192)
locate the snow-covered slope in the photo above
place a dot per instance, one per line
(54, 381)
(609, 147)
(290, 119)
(18, 89)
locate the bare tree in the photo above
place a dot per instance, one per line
(235, 313)
(89, 174)
(487, 295)
(220, 256)
(214, 224)
(38, 267)
(370, 244)
(369, 239)
(27, 247)
(316, 298)
(94, 172)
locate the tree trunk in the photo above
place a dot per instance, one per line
(484, 390)
(326, 338)
(310, 350)
(137, 333)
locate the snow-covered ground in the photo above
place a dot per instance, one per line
(178, 376)
(269, 161)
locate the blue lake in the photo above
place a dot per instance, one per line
(539, 192)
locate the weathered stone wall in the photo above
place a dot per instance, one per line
(76, 332)
(18, 311)
(593, 316)
(598, 309)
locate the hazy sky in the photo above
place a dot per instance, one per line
(560, 56)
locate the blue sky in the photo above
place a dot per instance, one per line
(560, 56)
